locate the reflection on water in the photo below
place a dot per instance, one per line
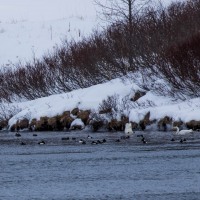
(128, 169)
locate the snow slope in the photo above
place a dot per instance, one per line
(32, 27)
(90, 98)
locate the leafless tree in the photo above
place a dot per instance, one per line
(125, 13)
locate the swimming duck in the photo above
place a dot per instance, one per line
(23, 143)
(41, 142)
(82, 141)
(65, 138)
(94, 142)
(182, 132)
(104, 140)
(18, 135)
(143, 140)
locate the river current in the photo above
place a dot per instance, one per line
(123, 169)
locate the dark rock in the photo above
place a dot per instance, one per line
(75, 111)
(138, 95)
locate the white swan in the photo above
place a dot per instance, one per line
(128, 129)
(182, 132)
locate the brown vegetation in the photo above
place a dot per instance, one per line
(66, 120)
(162, 123)
(75, 111)
(164, 43)
(193, 124)
(3, 124)
(23, 124)
(84, 116)
(138, 94)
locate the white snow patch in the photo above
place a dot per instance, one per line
(77, 122)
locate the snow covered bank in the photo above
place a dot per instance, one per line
(46, 29)
(84, 99)
(90, 99)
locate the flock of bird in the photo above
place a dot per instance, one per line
(127, 135)
(181, 132)
(93, 142)
(23, 143)
(89, 139)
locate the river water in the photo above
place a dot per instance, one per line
(129, 169)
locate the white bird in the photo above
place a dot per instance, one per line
(182, 132)
(128, 129)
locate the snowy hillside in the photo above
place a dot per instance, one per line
(31, 28)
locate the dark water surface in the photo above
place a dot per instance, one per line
(129, 169)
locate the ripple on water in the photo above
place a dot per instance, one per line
(129, 169)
